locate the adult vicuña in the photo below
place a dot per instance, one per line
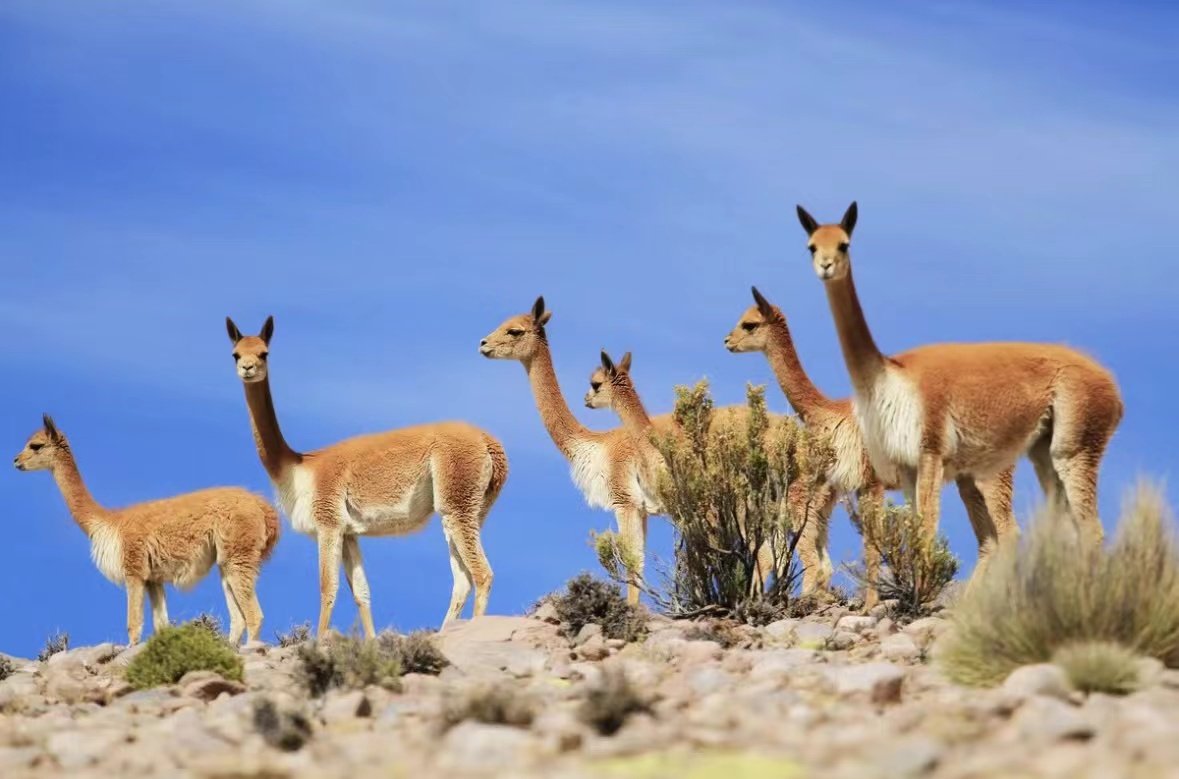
(174, 540)
(612, 386)
(763, 328)
(969, 410)
(378, 484)
(615, 469)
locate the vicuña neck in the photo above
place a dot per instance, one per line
(864, 360)
(276, 456)
(83, 508)
(629, 406)
(558, 420)
(805, 398)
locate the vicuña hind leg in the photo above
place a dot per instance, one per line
(237, 621)
(988, 506)
(159, 606)
(330, 540)
(135, 589)
(632, 531)
(358, 583)
(468, 563)
(1041, 456)
(242, 578)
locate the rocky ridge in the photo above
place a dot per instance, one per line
(833, 695)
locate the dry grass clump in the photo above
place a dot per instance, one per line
(1049, 596)
(611, 701)
(298, 634)
(492, 703)
(588, 600)
(916, 568)
(1099, 666)
(58, 642)
(174, 651)
(724, 488)
(7, 668)
(209, 622)
(353, 662)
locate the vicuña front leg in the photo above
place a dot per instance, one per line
(159, 606)
(358, 583)
(929, 492)
(632, 530)
(330, 542)
(135, 590)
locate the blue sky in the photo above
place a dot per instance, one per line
(392, 180)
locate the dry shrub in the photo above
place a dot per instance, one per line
(1099, 666)
(588, 600)
(609, 702)
(492, 703)
(58, 642)
(353, 662)
(915, 568)
(723, 632)
(209, 622)
(724, 488)
(7, 668)
(419, 654)
(298, 634)
(174, 651)
(1047, 591)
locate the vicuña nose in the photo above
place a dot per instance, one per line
(483, 342)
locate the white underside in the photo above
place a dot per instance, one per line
(590, 467)
(106, 549)
(891, 419)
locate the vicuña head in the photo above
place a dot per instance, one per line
(42, 448)
(600, 394)
(751, 333)
(250, 351)
(518, 337)
(829, 244)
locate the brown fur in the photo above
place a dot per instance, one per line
(615, 469)
(611, 386)
(387, 483)
(969, 410)
(763, 328)
(171, 541)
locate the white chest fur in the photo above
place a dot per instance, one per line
(106, 549)
(589, 465)
(296, 496)
(891, 419)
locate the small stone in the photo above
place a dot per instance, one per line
(547, 612)
(343, 706)
(781, 662)
(80, 748)
(925, 630)
(842, 640)
(124, 658)
(691, 654)
(474, 745)
(252, 648)
(13, 758)
(1038, 679)
(812, 635)
(855, 624)
(1150, 671)
(900, 647)
(708, 680)
(593, 648)
(1049, 719)
(780, 632)
(207, 685)
(587, 632)
(881, 682)
(879, 611)
(885, 627)
(910, 757)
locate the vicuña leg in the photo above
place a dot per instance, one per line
(242, 578)
(1041, 456)
(237, 621)
(929, 491)
(331, 541)
(870, 506)
(135, 589)
(811, 506)
(468, 563)
(632, 527)
(159, 606)
(358, 583)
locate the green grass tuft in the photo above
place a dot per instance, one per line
(174, 651)
(1099, 666)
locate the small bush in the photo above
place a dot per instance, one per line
(496, 703)
(285, 730)
(587, 600)
(724, 487)
(611, 701)
(58, 642)
(209, 622)
(915, 568)
(722, 632)
(419, 654)
(350, 662)
(1099, 666)
(174, 651)
(298, 634)
(1047, 590)
(7, 668)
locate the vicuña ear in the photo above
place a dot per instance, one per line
(235, 335)
(624, 363)
(50, 428)
(608, 364)
(848, 223)
(538, 308)
(763, 305)
(267, 330)
(808, 222)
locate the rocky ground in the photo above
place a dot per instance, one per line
(833, 695)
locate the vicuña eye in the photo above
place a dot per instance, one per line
(263, 355)
(811, 248)
(748, 326)
(843, 248)
(595, 385)
(236, 356)
(515, 332)
(36, 447)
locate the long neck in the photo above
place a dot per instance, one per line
(276, 456)
(558, 420)
(627, 404)
(864, 360)
(804, 396)
(84, 509)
